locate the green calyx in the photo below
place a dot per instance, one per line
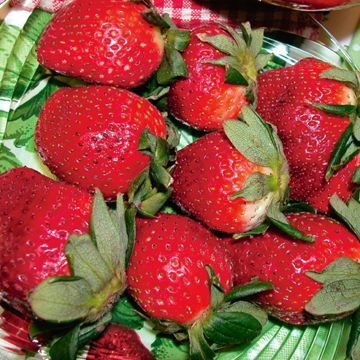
(173, 65)
(348, 145)
(340, 292)
(97, 265)
(230, 321)
(259, 142)
(348, 212)
(243, 57)
(152, 188)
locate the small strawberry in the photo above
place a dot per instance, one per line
(109, 42)
(289, 263)
(233, 181)
(313, 105)
(89, 136)
(222, 70)
(172, 276)
(37, 215)
(118, 342)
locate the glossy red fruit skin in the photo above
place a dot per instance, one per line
(308, 134)
(88, 136)
(203, 100)
(37, 215)
(118, 342)
(111, 44)
(277, 258)
(206, 174)
(167, 275)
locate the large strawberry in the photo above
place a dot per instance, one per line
(313, 106)
(107, 43)
(292, 267)
(47, 259)
(222, 70)
(118, 342)
(178, 273)
(37, 215)
(89, 136)
(233, 181)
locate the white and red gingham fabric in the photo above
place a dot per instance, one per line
(192, 13)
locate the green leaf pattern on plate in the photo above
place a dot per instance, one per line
(25, 86)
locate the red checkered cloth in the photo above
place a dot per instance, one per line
(192, 13)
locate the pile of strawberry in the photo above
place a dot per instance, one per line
(238, 247)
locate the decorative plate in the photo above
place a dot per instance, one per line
(24, 88)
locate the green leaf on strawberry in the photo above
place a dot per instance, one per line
(347, 212)
(345, 149)
(340, 110)
(340, 293)
(62, 299)
(255, 188)
(348, 144)
(251, 288)
(253, 138)
(149, 192)
(259, 143)
(243, 58)
(261, 229)
(98, 269)
(173, 65)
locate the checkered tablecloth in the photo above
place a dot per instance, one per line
(191, 13)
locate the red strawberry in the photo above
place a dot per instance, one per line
(37, 215)
(118, 342)
(179, 273)
(283, 261)
(232, 182)
(107, 43)
(309, 134)
(89, 136)
(167, 275)
(207, 173)
(212, 92)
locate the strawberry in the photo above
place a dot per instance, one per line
(222, 70)
(109, 43)
(37, 215)
(48, 262)
(176, 249)
(233, 181)
(89, 136)
(118, 342)
(286, 263)
(179, 273)
(312, 110)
